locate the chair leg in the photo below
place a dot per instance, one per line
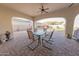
(32, 48)
(29, 46)
(46, 46)
(47, 41)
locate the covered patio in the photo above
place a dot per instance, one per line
(56, 34)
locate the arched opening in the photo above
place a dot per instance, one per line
(20, 26)
(57, 24)
(76, 26)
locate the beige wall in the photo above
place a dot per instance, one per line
(6, 18)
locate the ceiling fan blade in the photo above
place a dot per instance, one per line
(46, 8)
(42, 6)
(45, 11)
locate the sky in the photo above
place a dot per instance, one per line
(52, 19)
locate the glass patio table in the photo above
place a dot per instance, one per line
(39, 34)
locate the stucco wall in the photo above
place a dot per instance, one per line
(6, 15)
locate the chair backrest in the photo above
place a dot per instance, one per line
(30, 34)
(51, 34)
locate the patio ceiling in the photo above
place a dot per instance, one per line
(32, 9)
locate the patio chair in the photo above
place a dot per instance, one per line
(31, 37)
(76, 35)
(47, 41)
(49, 38)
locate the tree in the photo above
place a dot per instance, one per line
(55, 23)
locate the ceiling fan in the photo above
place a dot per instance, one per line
(43, 9)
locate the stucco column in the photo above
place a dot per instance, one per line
(69, 26)
(33, 18)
